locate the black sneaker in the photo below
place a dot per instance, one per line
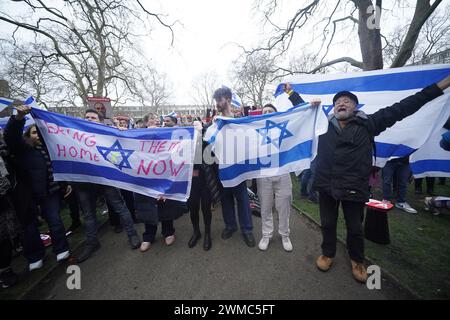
(227, 233)
(134, 242)
(249, 239)
(89, 249)
(8, 278)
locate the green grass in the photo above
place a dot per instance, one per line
(419, 252)
(28, 280)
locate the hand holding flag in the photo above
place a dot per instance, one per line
(22, 111)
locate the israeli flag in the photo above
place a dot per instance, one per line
(236, 101)
(382, 88)
(154, 162)
(28, 122)
(4, 103)
(31, 102)
(172, 114)
(266, 145)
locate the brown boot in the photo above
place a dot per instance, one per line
(359, 271)
(324, 263)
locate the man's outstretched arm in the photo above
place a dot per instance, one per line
(387, 117)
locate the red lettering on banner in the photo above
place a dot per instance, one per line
(76, 153)
(53, 128)
(161, 147)
(60, 150)
(143, 168)
(158, 168)
(173, 145)
(174, 170)
(73, 152)
(164, 167)
(86, 153)
(77, 136)
(89, 141)
(154, 146)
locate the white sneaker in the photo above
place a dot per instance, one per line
(287, 245)
(62, 256)
(405, 207)
(36, 265)
(264, 243)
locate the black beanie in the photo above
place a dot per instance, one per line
(347, 94)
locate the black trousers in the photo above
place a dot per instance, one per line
(74, 208)
(5, 253)
(200, 195)
(354, 216)
(128, 197)
(430, 184)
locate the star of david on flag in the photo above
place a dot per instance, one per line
(270, 133)
(116, 155)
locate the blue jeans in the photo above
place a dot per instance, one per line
(50, 207)
(87, 195)
(304, 182)
(402, 171)
(33, 248)
(229, 215)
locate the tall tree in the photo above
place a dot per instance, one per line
(203, 87)
(365, 14)
(89, 45)
(253, 75)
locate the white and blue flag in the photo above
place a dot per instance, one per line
(382, 88)
(266, 145)
(236, 101)
(28, 122)
(4, 103)
(153, 162)
(31, 102)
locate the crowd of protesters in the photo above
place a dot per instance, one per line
(338, 176)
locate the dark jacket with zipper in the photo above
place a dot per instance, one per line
(344, 155)
(30, 164)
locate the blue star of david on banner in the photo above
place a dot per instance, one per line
(270, 125)
(116, 155)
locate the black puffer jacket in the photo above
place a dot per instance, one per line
(30, 164)
(344, 156)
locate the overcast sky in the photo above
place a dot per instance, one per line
(205, 40)
(208, 32)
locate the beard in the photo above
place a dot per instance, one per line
(343, 115)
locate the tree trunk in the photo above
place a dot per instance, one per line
(369, 36)
(421, 14)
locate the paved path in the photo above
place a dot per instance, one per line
(230, 270)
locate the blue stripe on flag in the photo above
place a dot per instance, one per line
(383, 82)
(296, 153)
(164, 186)
(93, 127)
(386, 150)
(422, 166)
(29, 100)
(5, 102)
